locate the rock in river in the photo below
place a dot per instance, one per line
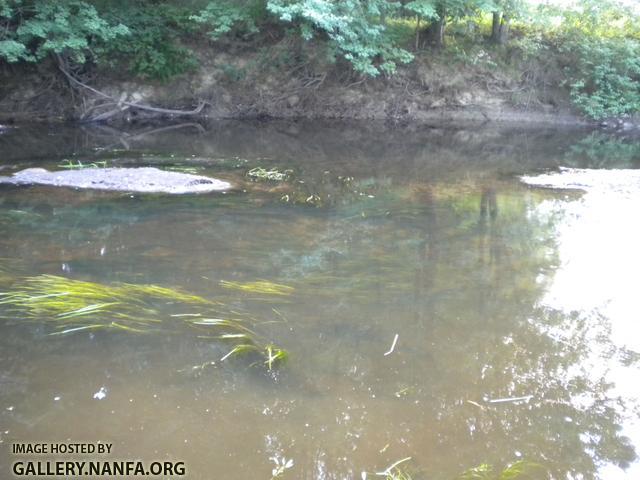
(143, 180)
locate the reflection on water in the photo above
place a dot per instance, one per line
(597, 244)
(513, 306)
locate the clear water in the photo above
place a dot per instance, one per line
(495, 289)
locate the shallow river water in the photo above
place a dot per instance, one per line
(440, 306)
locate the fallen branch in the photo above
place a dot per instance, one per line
(104, 116)
(123, 104)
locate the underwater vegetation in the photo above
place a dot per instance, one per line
(318, 190)
(70, 165)
(183, 169)
(5, 276)
(69, 306)
(520, 470)
(274, 175)
(260, 287)
(331, 190)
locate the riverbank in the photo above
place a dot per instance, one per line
(241, 85)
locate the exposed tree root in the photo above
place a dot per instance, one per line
(119, 104)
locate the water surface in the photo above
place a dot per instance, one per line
(496, 290)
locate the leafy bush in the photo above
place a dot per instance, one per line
(141, 35)
(153, 48)
(354, 29)
(33, 30)
(606, 76)
(597, 42)
(225, 17)
(601, 48)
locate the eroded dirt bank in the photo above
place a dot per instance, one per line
(228, 86)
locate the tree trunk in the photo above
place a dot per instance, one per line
(495, 27)
(437, 29)
(504, 30)
(418, 34)
(440, 27)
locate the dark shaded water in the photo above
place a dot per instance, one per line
(495, 290)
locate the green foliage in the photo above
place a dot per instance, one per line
(606, 76)
(227, 17)
(423, 8)
(596, 42)
(153, 48)
(602, 53)
(594, 18)
(513, 8)
(13, 51)
(33, 30)
(354, 29)
(460, 8)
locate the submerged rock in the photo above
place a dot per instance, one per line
(143, 180)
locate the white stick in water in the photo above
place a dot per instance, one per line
(511, 399)
(393, 346)
(389, 469)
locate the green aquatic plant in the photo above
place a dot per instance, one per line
(282, 464)
(274, 355)
(73, 305)
(520, 470)
(69, 306)
(273, 174)
(6, 278)
(398, 474)
(70, 165)
(260, 287)
(183, 169)
(393, 472)
(302, 198)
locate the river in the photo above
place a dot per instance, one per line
(442, 302)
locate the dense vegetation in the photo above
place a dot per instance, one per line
(596, 42)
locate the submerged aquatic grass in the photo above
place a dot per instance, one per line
(183, 169)
(5, 277)
(273, 174)
(69, 306)
(259, 287)
(70, 165)
(274, 355)
(522, 469)
(398, 474)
